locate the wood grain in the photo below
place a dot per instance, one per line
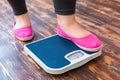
(101, 17)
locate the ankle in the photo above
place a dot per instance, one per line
(66, 20)
(24, 18)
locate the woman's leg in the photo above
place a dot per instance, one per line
(22, 28)
(20, 12)
(70, 29)
(65, 10)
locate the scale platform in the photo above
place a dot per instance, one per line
(57, 55)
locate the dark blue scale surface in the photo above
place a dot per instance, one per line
(51, 51)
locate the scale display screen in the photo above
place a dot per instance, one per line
(75, 55)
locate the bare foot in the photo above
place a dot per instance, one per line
(71, 27)
(22, 21)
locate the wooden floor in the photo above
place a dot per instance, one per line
(101, 17)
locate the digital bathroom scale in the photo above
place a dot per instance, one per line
(57, 55)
